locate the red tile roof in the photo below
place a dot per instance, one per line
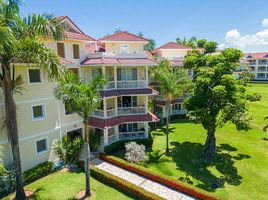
(256, 55)
(123, 36)
(172, 45)
(107, 123)
(121, 92)
(64, 61)
(118, 61)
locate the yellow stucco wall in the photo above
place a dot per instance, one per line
(137, 47)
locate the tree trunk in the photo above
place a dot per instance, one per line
(87, 160)
(167, 126)
(210, 145)
(12, 131)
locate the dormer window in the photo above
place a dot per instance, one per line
(61, 49)
(124, 48)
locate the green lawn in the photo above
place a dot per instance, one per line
(64, 185)
(242, 157)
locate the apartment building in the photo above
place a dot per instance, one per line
(258, 63)
(123, 114)
(175, 54)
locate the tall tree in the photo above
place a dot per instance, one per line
(81, 98)
(19, 43)
(150, 45)
(173, 83)
(191, 42)
(217, 97)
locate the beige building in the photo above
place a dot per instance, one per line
(123, 114)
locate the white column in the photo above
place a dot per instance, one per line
(116, 133)
(115, 76)
(146, 76)
(115, 102)
(104, 108)
(146, 104)
(146, 127)
(103, 70)
(105, 136)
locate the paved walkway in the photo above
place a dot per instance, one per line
(140, 181)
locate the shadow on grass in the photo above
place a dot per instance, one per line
(189, 158)
(35, 195)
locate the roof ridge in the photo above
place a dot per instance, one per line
(107, 36)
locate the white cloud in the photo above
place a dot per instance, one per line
(265, 22)
(250, 42)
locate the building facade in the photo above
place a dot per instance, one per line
(258, 63)
(123, 114)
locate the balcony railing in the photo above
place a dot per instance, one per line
(111, 112)
(111, 139)
(131, 110)
(131, 84)
(98, 113)
(131, 135)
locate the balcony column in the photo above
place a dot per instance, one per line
(104, 108)
(146, 104)
(116, 133)
(115, 76)
(115, 102)
(146, 127)
(146, 76)
(105, 137)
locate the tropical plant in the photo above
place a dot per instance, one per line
(135, 152)
(217, 97)
(68, 150)
(81, 98)
(191, 42)
(150, 45)
(173, 83)
(19, 42)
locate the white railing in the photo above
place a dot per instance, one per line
(131, 110)
(131, 135)
(178, 112)
(111, 112)
(110, 85)
(111, 138)
(131, 84)
(98, 113)
(117, 55)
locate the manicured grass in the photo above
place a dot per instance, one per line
(241, 162)
(64, 185)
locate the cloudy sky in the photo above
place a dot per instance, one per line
(232, 23)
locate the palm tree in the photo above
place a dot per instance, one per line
(19, 42)
(190, 42)
(81, 98)
(173, 83)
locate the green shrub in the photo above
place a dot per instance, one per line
(254, 97)
(148, 142)
(7, 181)
(37, 172)
(123, 185)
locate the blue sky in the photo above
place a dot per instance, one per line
(235, 23)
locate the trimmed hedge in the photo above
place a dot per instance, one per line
(122, 185)
(37, 172)
(191, 191)
(119, 145)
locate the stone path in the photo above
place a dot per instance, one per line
(140, 181)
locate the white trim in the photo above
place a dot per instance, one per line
(47, 146)
(41, 76)
(43, 110)
(36, 100)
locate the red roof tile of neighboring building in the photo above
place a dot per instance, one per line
(107, 123)
(64, 61)
(123, 36)
(256, 55)
(118, 61)
(172, 45)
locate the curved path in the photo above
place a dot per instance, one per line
(140, 181)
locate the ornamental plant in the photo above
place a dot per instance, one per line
(135, 152)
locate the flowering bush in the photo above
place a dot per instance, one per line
(135, 152)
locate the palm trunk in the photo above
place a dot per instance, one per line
(87, 160)
(12, 131)
(167, 126)
(210, 145)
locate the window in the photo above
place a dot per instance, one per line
(127, 74)
(129, 127)
(76, 51)
(61, 49)
(96, 72)
(41, 145)
(34, 76)
(124, 48)
(38, 112)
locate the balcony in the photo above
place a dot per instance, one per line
(131, 110)
(131, 135)
(128, 84)
(117, 55)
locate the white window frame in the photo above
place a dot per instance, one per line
(41, 76)
(47, 146)
(44, 112)
(65, 48)
(79, 52)
(121, 47)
